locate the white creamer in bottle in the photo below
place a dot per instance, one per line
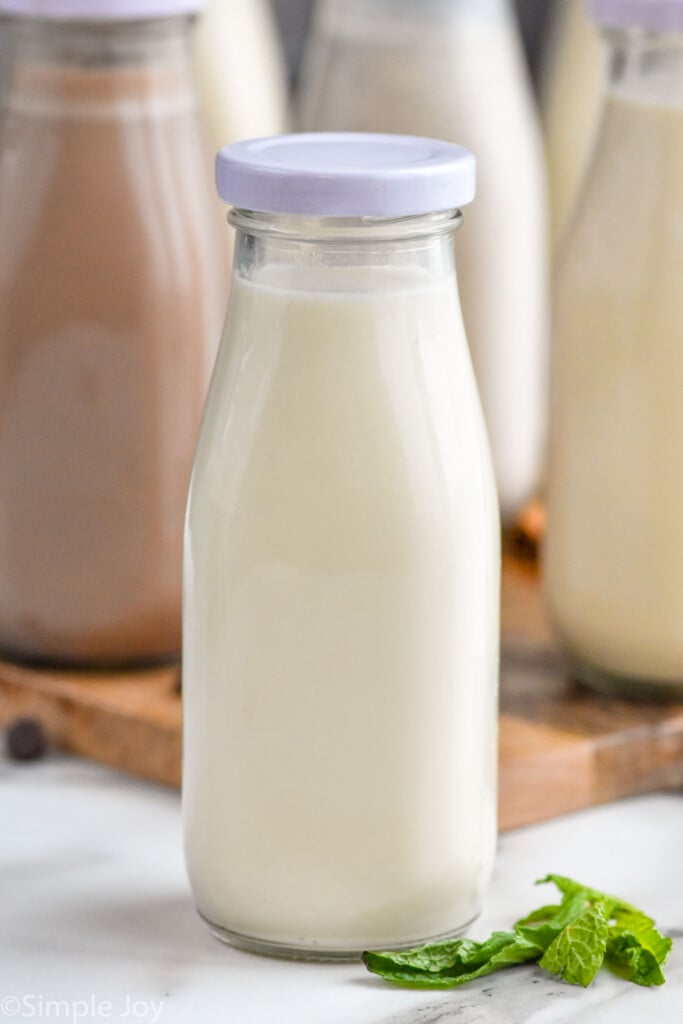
(241, 78)
(240, 71)
(341, 563)
(454, 69)
(571, 100)
(614, 561)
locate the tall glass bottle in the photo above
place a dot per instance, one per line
(614, 560)
(454, 69)
(342, 562)
(111, 293)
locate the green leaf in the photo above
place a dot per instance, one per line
(550, 926)
(576, 955)
(387, 967)
(636, 951)
(568, 887)
(499, 947)
(626, 958)
(633, 920)
(643, 929)
(438, 956)
(541, 915)
(437, 968)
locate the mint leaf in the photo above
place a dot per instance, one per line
(636, 951)
(439, 956)
(543, 914)
(543, 928)
(576, 955)
(438, 968)
(643, 929)
(568, 887)
(627, 959)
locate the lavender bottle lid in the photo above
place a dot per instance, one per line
(652, 15)
(336, 174)
(100, 10)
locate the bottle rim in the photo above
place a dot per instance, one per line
(344, 230)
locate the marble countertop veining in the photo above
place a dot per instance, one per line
(98, 922)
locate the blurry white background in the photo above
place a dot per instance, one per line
(293, 16)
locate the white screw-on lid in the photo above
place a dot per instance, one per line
(346, 174)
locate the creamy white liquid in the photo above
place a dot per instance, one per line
(458, 73)
(341, 618)
(240, 75)
(240, 71)
(615, 545)
(571, 103)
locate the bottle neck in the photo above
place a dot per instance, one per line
(110, 42)
(646, 67)
(85, 63)
(344, 254)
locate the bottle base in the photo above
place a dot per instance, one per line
(622, 686)
(63, 662)
(319, 953)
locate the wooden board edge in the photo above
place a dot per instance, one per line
(141, 747)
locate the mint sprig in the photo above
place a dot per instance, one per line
(572, 940)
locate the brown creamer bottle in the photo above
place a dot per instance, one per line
(112, 282)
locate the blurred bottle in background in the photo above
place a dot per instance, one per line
(454, 69)
(112, 279)
(614, 556)
(571, 97)
(240, 71)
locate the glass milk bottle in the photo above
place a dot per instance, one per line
(614, 560)
(341, 562)
(454, 69)
(111, 291)
(240, 71)
(572, 95)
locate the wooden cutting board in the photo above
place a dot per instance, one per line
(561, 748)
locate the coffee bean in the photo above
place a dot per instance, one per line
(26, 740)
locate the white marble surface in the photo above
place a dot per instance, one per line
(97, 922)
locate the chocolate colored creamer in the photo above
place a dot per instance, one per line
(111, 277)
